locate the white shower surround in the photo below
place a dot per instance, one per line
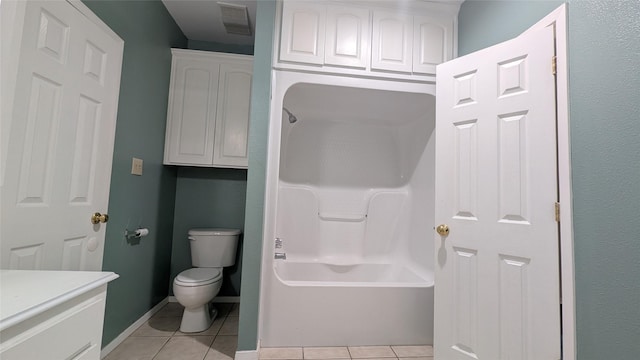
(350, 193)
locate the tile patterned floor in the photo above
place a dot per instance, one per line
(160, 339)
(418, 352)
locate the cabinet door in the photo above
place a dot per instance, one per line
(433, 43)
(392, 42)
(302, 37)
(347, 39)
(191, 112)
(232, 120)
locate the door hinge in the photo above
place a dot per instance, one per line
(554, 64)
(557, 210)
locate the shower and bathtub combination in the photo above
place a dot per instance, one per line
(348, 248)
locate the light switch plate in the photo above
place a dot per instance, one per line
(136, 166)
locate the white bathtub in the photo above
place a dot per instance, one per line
(313, 304)
(350, 196)
(331, 275)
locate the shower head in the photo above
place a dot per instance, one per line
(292, 118)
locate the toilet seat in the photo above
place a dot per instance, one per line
(198, 277)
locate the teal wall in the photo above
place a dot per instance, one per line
(604, 88)
(219, 47)
(208, 197)
(258, 130)
(483, 23)
(148, 200)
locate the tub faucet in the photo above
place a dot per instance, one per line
(280, 256)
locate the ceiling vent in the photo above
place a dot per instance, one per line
(235, 18)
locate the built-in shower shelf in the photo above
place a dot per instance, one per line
(344, 217)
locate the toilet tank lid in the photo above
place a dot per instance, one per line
(214, 231)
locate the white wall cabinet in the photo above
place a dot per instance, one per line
(432, 43)
(303, 30)
(208, 109)
(347, 36)
(392, 44)
(382, 41)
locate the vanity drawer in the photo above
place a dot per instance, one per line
(72, 330)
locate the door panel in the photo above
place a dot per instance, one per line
(347, 39)
(192, 110)
(392, 41)
(303, 32)
(58, 164)
(497, 276)
(232, 119)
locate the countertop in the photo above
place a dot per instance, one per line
(27, 293)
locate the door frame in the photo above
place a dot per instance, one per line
(558, 18)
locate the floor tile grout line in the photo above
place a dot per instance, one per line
(162, 347)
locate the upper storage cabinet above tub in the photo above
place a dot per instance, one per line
(208, 110)
(382, 40)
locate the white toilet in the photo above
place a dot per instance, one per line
(211, 249)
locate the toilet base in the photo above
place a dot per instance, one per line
(198, 319)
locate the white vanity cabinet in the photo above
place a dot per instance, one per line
(382, 39)
(208, 109)
(52, 314)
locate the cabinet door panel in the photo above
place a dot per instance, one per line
(392, 42)
(433, 43)
(192, 111)
(232, 120)
(303, 30)
(347, 40)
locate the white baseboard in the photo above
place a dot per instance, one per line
(128, 331)
(246, 355)
(249, 354)
(217, 299)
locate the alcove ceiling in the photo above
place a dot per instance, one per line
(202, 20)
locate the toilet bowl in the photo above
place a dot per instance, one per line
(195, 288)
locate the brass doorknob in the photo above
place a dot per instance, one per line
(443, 230)
(99, 218)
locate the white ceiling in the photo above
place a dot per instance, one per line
(200, 20)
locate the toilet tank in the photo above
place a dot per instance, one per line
(213, 247)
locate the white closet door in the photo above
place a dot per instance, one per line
(58, 164)
(497, 272)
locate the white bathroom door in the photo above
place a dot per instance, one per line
(497, 290)
(60, 148)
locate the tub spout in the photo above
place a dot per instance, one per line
(280, 256)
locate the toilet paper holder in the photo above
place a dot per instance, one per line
(136, 234)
